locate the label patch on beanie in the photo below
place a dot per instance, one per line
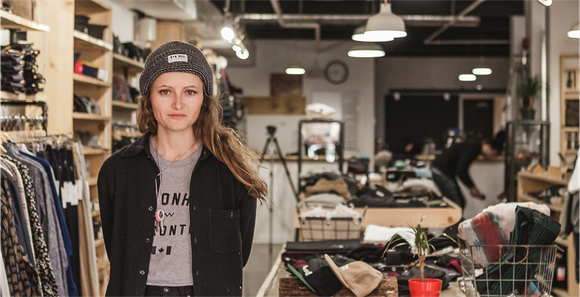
(177, 58)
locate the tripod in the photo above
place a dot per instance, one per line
(271, 138)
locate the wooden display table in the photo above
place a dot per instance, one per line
(435, 217)
(291, 286)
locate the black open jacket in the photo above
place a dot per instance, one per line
(222, 216)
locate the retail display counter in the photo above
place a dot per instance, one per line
(280, 282)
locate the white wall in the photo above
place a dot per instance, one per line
(431, 73)
(275, 56)
(563, 15)
(123, 21)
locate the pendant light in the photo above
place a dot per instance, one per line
(243, 54)
(481, 70)
(359, 35)
(545, 2)
(574, 32)
(385, 24)
(228, 33)
(467, 77)
(295, 70)
(366, 51)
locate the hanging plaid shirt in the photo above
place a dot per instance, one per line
(43, 264)
(22, 278)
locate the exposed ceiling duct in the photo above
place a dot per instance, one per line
(283, 24)
(430, 39)
(358, 19)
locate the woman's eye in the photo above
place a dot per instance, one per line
(191, 92)
(164, 92)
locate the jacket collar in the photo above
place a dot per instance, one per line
(142, 145)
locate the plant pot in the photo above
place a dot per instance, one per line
(431, 287)
(528, 114)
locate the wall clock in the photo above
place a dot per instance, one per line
(336, 72)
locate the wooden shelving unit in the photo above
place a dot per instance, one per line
(125, 62)
(23, 97)
(125, 113)
(93, 151)
(569, 102)
(12, 21)
(79, 78)
(132, 106)
(530, 183)
(88, 41)
(90, 117)
(97, 52)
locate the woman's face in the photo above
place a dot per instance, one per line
(176, 99)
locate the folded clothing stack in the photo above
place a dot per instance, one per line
(19, 69)
(86, 104)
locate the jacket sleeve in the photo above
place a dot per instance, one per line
(106, 192)
(247, 207)
(467, 157)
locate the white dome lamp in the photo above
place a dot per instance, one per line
(385, 24)
(366, 51)
(575, 31)
(545, 2)
(359, 35)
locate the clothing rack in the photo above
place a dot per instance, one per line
(20, 119)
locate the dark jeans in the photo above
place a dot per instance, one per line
(448, 187)
(169, 291)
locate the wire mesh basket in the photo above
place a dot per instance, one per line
(330, 228)
(512, 270)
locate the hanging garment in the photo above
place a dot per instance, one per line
(89, 236)
(62, 159)
(42, 259)
(72, 289)
(20, 222)
(4, 291)
(24, 279)
(23, 216)
(50, 224)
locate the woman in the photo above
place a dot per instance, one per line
(178, 206)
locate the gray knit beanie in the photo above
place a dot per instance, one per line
(176, 56)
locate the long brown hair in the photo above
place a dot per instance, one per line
(223, 142)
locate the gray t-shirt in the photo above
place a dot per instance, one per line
(170, 263)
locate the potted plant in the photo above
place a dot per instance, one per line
(527, 90)
(421, 287)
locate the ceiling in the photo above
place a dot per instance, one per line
(492, 27)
